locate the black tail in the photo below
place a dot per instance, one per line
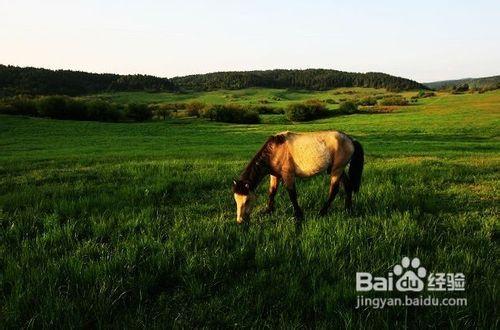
(356, 166)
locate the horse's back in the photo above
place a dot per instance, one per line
(314, 152)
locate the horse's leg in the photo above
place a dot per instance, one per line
(292, 192)
(348, 192)
(273, 188)
(289, 182)
(334, 189)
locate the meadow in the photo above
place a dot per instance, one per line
(250, 96)
(133, 224)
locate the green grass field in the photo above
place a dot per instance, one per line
(133, 225)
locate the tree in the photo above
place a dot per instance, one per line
(193, 109)
(138, 112)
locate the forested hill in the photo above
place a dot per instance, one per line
(16, 80)
(311, 79)
(486, 82)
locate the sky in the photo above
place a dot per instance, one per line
(421, 40)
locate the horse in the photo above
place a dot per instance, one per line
(287, 155)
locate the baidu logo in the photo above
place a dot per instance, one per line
(410, 276)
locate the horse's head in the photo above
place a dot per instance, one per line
(244, 198)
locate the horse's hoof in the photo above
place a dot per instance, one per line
(298, 225)
(268, 211)
(299, 216)
(323, 212)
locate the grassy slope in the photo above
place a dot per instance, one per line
(275, 97)
(472, 82)
(134, 223)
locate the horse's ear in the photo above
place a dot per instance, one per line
(234, 182)
(279, 138)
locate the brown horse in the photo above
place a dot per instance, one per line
(287, 155)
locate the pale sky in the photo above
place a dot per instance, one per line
(421, 40)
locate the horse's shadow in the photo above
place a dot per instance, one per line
(437, 196)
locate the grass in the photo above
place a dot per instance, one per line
(269, 96)
(134, 224)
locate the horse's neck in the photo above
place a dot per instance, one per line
(256, 171)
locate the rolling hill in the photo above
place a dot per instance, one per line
(485, 82)
(309, 79)
(37, 81)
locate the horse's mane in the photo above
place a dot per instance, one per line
(259, 165)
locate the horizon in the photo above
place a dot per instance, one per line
(426, 43)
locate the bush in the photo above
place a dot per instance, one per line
(348, 107)
(331, 101)
(316, 103)
(266, 109)
(299, 112)
(19, 105)
(231, 113)
(63, 107)
(100, 110)
(367, 101)
(306, 111)
(7, 109)
(484, 89)
(208, 112)
(77, 109)
(116, 113)
(25, 106)
(138, 112)
(171, 107)
(395, 100)
(53, 107)
(161, 111)
(460, 89)
(424, 94)
(195, 108)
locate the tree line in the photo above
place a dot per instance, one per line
(74, 108)
(309, 79)
(479, 84)
(35, 81)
